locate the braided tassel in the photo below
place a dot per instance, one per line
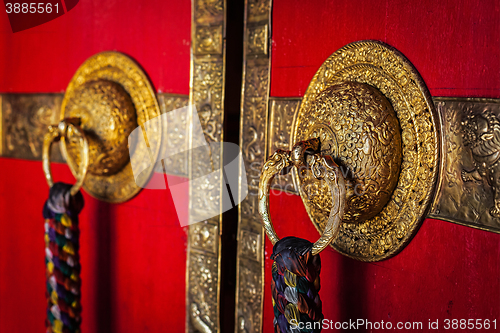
(61, 259)
(295, 286)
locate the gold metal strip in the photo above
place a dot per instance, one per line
(253, 139)
(25, 118)
(470, 142)
(207, 95)
(281, 118)
(176, 133)
(462, 202)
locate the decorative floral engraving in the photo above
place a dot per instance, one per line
(387, 70)
(249, 303)
(204, 236)
(250, 245)
(258, 10)
(203, 305)
(282, 113)
(207, 11)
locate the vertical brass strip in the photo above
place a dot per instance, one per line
(207, 95)
(253, 138)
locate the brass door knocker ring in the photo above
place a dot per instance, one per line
(305, 154)
(65, 129)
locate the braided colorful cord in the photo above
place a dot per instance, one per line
(61, 259)
(295, 286)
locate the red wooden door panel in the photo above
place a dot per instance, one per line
(447, 271)
(132, 254)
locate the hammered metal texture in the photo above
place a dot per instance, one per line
(120, 69)
(108, 117)
(468, 191)
(384, 68)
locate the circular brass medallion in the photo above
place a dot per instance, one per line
(375, 117)
(111, 96)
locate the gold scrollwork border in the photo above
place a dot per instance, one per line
(206, 94)
(253, 139)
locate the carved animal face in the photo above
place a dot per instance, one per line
(476, 129)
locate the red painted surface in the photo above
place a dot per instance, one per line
(447, 271)
(156, 34)
(132, 254)
(455, 45)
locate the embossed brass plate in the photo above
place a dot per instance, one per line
(467, 192)
(111, 95)
(358, 126)
(24, 120)
(381, 218)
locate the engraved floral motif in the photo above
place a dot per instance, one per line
(203, 288)
(358, 127)
(176, 134)
(387, 70)
(208, 11)
(281, 117)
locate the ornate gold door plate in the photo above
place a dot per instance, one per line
(111, 96)
(374, 116)
(429, 182)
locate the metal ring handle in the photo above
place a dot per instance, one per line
(322, 167)
(55, 133)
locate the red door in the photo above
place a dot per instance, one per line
(448, 272)
(133, 255)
